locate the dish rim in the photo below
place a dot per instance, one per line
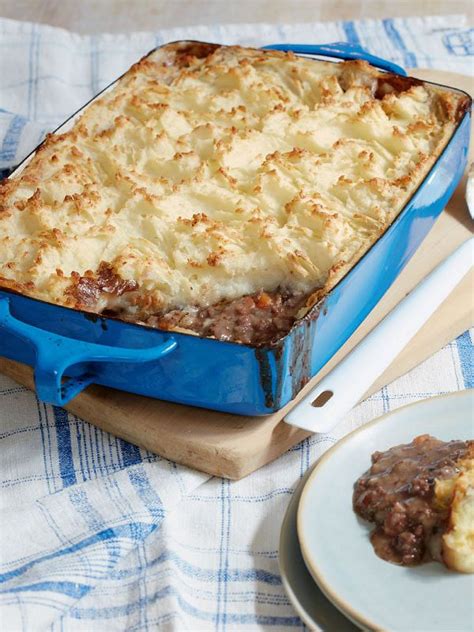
(318, 306)
(346, 608)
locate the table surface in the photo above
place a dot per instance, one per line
(95, 16)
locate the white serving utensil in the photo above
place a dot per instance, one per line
(341, 389)
(470, 190)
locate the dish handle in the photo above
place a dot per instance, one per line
(56, 353)
(340, 50)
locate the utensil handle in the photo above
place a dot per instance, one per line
(342, 388)
(56, 353)
(340, 50)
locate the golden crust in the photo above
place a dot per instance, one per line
(456, 495)
(211, 172)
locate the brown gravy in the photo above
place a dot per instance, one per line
(397, 495)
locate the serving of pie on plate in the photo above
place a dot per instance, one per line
(420, 496)
(336, 543)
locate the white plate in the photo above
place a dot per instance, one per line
(313, 608)
(335, 543)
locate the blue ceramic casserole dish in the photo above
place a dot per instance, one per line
(232, 377)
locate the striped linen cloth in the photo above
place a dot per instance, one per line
(97, 534)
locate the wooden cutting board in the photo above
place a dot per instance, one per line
(232, 446)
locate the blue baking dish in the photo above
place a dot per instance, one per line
(232, 377)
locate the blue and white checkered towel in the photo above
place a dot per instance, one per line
(97, 534)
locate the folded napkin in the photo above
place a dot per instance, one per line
(97, 534)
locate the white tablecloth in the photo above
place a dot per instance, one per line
(97, 534)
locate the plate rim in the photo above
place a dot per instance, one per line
(289, 517)
(341, 604)
(300, 611)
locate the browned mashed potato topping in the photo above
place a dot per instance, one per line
(219, 190)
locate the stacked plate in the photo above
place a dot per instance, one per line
(329, 569)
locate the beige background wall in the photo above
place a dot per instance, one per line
(93, 16)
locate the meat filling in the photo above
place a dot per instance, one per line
(397, 495)
(252, 319)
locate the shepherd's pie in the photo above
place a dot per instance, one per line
(218, 189)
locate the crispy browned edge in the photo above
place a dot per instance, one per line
(180, 54)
